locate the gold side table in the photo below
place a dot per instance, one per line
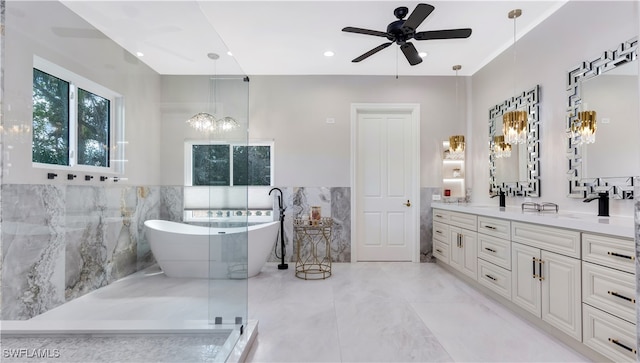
(313, 245)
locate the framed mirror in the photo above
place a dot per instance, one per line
(516, 173)
(607, 85)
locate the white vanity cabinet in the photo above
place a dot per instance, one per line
(494, 255)
(464, 253)
(455, 241)
(573, 277)
(609, 296)
(545, 281)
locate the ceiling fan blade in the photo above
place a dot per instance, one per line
(372, 52)
(411, 53)
(417, 16)
(351, 29)
(443, 34)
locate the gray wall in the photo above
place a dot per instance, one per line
(578, 31)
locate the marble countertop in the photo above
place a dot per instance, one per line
(616, 226)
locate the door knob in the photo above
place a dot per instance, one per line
(408, 203)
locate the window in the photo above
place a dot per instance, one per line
(73, 120)
(221, 164)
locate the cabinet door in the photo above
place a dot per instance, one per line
(525, 286)
(561, 293)
(456, 257)
(470, 254)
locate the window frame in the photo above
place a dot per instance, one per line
(188, 159)
(116, 120)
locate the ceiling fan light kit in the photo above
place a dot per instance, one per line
(401, 31)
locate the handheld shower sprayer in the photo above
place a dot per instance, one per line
(281, 208)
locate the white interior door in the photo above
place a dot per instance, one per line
(386, 201)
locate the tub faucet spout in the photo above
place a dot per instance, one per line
(281, 208)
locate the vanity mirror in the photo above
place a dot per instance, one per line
(515, 171)
(607, 85)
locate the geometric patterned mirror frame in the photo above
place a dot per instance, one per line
(579, 186)
(527, 101)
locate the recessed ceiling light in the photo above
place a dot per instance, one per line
(140, 54)
(422, 54)
(230, 54)
(329, 53)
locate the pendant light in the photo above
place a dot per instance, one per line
(584, 128)
(501, 149)
(456, 142)
(207, 122)
(514, 123)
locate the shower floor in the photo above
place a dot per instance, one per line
(145, 317)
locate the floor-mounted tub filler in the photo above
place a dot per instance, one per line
(184, 250)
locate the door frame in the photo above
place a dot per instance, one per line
(414, 111)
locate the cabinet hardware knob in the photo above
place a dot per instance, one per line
(491, 277)
(616, 342)
(490, 227)
(613, 293)
(439, 250)
(619, 255)
(490, 250)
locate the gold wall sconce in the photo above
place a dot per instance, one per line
(456, 147)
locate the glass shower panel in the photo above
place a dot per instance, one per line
(76, 252)
(228, 274)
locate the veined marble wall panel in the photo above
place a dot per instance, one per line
(85, 247)
(341, 233)
(33, 249)
(171, 203)
(60, 242)
(148, 206)
(426, 224)
(335, 203)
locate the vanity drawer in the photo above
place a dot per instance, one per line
(494, 227)
(610, 290)
(495, 250)
(463, 220)
(441, 232)
(608, 335)
(495, 278)
(618, 253)
(441, 251)
(562, 241)
(441, 215)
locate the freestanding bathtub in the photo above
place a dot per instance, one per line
(184, 250)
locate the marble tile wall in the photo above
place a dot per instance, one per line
(60, 242)
(337, 201)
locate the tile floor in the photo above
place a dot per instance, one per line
(365, 312)
(389, 312)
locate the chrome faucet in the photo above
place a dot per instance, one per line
(603, 203)
(503, 199)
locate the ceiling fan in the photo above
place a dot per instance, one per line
(401, 31)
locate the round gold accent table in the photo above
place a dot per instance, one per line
(313, 248)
